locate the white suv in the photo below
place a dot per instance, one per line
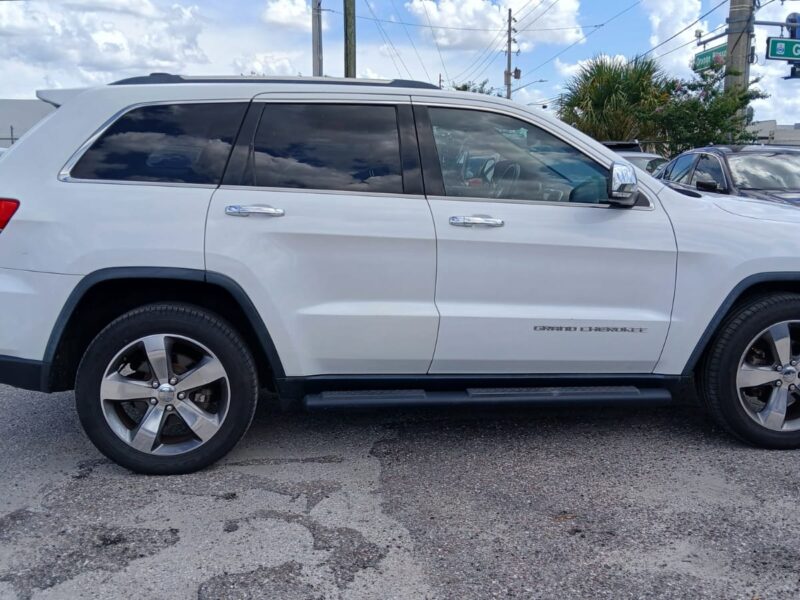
(172, 245)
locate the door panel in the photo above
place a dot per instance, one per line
(544, 276)
(344, 279)
(535, 295)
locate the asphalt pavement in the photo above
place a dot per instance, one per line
(452, 504)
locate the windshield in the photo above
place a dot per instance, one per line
(766, 170)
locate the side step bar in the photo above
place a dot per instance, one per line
(535, 396)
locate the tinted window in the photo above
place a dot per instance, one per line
(487, 155)
(708, 170)
(180, 143)
(328, 147)
(681, 168)
(766, 171)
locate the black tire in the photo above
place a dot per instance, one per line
(194, 323)
(717, 373)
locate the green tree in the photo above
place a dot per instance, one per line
(700, 112)
(479, 88)
(614, 99)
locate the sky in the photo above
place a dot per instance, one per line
(75, 43)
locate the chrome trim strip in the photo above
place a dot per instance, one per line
(315, 191)
(604, 205)
(64, 173)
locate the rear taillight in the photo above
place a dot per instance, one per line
(7, 209)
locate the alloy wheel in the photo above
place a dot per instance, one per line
(165, 394)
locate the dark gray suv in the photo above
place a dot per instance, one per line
(764, 172)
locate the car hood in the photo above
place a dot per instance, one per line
(752, 208)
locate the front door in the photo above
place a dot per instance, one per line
(537, 273)
(322, 221)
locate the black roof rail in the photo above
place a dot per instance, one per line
(155, 78)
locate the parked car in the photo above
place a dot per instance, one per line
(763, 172)
(172, 245)
(644, 160)
(633, 153)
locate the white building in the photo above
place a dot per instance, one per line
(17, 116)
(770, 132)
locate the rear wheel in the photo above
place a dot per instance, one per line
(166, 389)
(750, 379)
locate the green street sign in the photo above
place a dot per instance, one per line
(783, 49)
(707, 58)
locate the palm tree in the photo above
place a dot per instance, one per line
(615, 99)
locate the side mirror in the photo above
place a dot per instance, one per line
(709, 186)
(624, 188)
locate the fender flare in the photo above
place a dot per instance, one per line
(173, 273)
(733, 296)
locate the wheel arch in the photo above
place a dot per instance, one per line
(755, 285)
(88, 310)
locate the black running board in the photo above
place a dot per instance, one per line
(536, 396)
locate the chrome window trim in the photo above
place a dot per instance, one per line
(605, 205)
(282, 190)
(64, 175)
(310, 98)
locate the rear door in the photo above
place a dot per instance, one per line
(322, 220)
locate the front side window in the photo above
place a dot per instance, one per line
(328, 147)
(487, 155)
(681, 168)
(173, 143)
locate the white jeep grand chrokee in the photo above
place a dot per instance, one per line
(172, 245)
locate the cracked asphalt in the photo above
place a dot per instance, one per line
(452, 504)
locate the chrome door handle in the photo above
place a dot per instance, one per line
(471, 221)
(235, 210)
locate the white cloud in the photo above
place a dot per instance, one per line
(267, 63)
(550, 22)
(84, 42)
(783, 105)
(667, 17)
(294, 14)
(568, 70)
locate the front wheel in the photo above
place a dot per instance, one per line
(166, 389)
(750, 379)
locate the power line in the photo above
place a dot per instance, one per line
(413, 45)
(689, 26)
(388, 40)
(676, 48)
(435, 41)
(424, 26)
(555, 56)
(479, 60)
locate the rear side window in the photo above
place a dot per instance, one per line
(327, 147)
(174, 143)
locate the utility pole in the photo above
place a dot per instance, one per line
(316, 36)
(349, 38)
(508, 59)
(740, 32)
(508, 74)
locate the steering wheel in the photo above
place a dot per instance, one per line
(505, 179)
